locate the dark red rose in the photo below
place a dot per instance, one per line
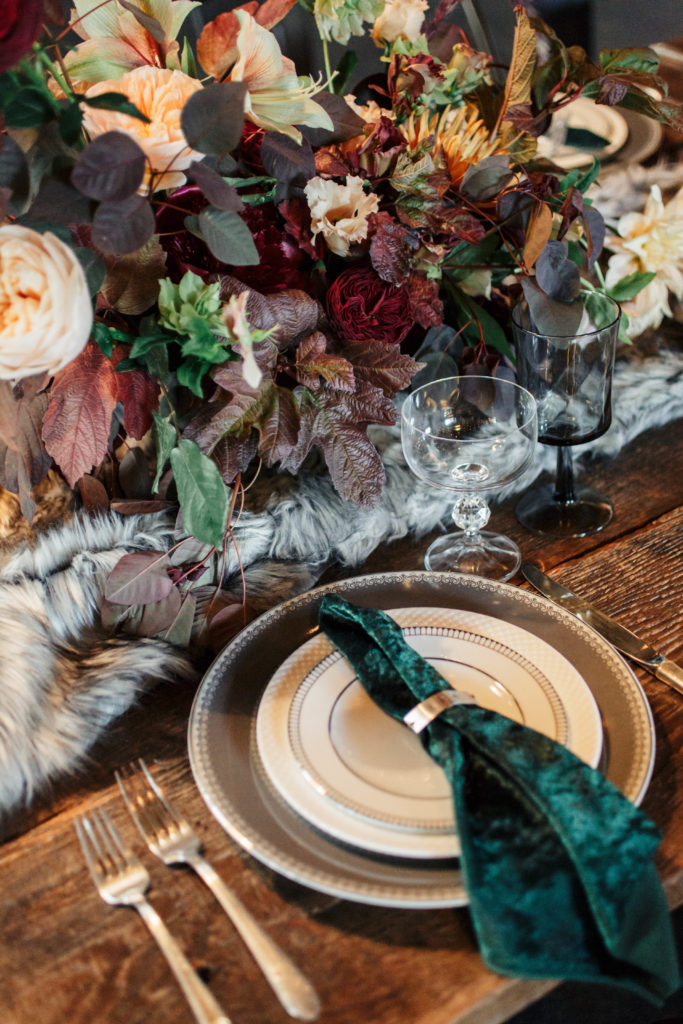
(250, 147)
(363, 307)
(19, 28)
(281, 258)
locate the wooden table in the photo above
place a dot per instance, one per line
(66, 957)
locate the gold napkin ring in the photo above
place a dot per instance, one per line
(419, 717)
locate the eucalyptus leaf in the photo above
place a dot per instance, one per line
(202, 494)
(94, 268)
(556, 274)
(139, 578)
(557, 320)
(213, 118)
(110, 168)
(228, 237)
(165, 438)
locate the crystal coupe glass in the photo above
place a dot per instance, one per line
(471, 435)
(571, 379)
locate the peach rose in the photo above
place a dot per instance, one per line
(46, 314)
(160, 94)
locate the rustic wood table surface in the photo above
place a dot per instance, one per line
(67, 957)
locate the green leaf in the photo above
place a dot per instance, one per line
(165, 438)
(29, 108)
(588, 177)
(345, 69)
(115, 101)
(645, 60)
(143, 343)
(70, 121)
(629, 286)
(101, 335)
(227, 236)
(191, 373)
(95, 270)
(600, 309)
(202, 494)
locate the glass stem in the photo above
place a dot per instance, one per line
(564, 479)
(471, 514)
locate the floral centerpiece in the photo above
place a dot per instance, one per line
(209, 262)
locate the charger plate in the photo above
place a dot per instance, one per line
(230, 778)
(359, 775)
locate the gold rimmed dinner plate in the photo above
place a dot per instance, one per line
(362, 777)
(230, 777)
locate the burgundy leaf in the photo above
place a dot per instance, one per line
(279, 427)
(93, 494)
(139, 578)
(556, 274)
(233, 455)
(139, 394)
(353, 461)
(110, 168)
(123, 226)
(384, 366)
(23, 466)
(391, 247)
(160, 615)
(78, 419)
(134, 475)
(213, 118)
(290, 163)
(346, 123)
(137, 508)
(215, 188)
(313, 362)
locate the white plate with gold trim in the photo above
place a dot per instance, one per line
(358, 774)
(230, 777)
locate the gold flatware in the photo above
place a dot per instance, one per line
(664, 669)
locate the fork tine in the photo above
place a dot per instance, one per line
(156, 788)
(140, 802)
(89, 846)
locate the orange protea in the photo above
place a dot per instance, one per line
(459, 139)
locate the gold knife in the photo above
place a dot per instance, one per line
(624, 641)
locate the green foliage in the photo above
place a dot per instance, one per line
(203, 497)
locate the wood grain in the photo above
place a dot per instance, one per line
(67, 957)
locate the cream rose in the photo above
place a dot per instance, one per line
(340, 212)
(45, 310)
(160, 94)
(400, 19)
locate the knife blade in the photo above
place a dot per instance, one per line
(626, 642)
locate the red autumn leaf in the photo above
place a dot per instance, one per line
(24, 462)
(425, 304)
(93, 494)
(313, 361)
(77, 423)
(271, 11)
(279, 427)
(391, 247)
(139, 393)
(383, 366)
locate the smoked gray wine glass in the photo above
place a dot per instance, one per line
(571, 380)
(470, 435)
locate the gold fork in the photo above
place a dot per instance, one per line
(171, 838)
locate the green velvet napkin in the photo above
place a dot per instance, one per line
(556, 861)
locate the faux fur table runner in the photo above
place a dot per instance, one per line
(65, 678)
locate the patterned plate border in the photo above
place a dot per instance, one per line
(219, 731)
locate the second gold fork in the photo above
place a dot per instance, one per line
(171, 838)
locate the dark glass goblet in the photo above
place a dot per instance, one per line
(571, 379)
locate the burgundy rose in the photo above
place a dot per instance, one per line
(281, 258)
(363, 307)
(19, 28)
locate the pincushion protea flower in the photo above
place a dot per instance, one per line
(459, 139)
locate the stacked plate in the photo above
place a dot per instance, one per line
(583, 130)
(307, 774)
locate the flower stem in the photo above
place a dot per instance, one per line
(326, 58)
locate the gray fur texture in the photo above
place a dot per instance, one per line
(64, 679)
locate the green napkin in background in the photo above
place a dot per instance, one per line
(556, 861)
